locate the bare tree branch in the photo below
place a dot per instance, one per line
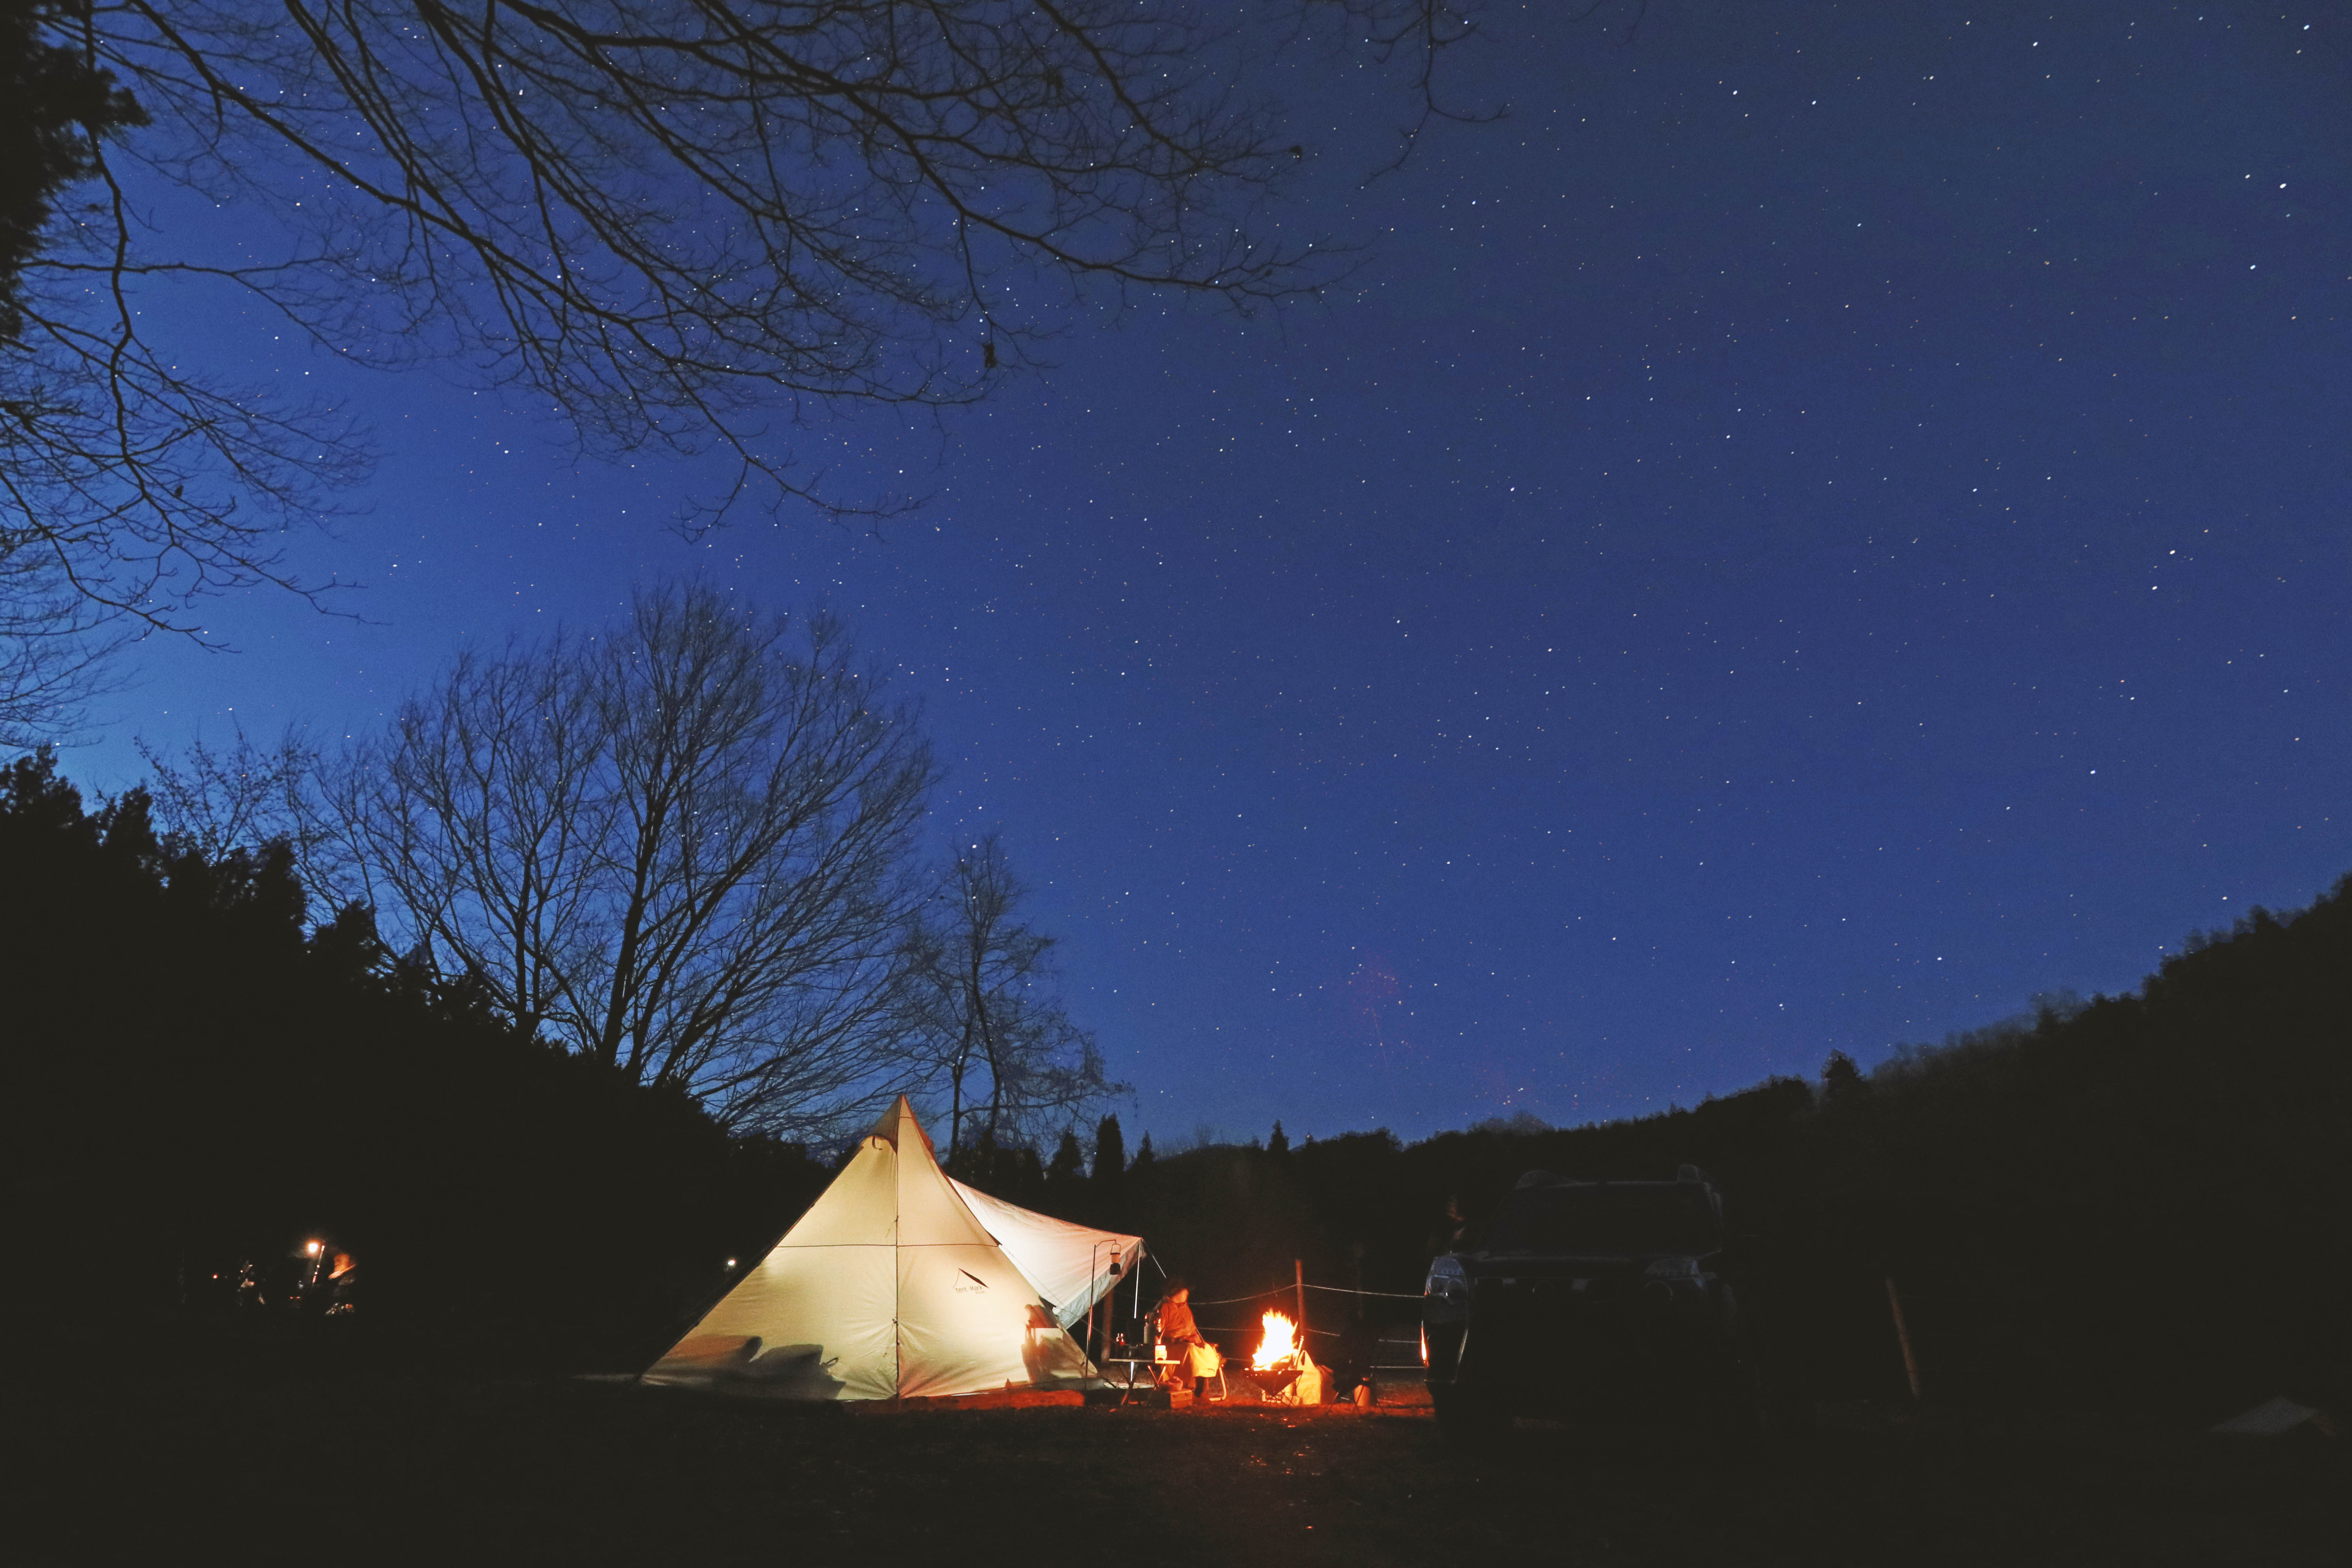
(981, 997)
(690, 225)
(679, 847)
(55, 648)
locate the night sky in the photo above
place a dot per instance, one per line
(1825, 523)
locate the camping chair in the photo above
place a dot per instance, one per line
(1171, 1377)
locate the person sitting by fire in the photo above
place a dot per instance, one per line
(1194, 1357)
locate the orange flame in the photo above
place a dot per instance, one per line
(1280, 1343)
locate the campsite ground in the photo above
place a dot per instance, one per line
(376, 1468)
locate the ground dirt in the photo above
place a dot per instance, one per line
(383, 1469)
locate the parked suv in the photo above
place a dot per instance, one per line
(1585, 1299)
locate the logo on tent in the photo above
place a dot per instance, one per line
(977, 1283)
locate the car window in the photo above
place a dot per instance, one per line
(1603, 1219)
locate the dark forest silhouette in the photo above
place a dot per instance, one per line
(194, 1083)
(2137, 1203)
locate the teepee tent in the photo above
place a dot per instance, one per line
(889, 1287)
(1073, 1266)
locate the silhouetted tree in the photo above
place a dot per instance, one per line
(219, 798)
(1278, 1143)
(1065, 1177)
(1840, 1077)
(1108, 1178)
(55, 644)
(192, 1081)
(1014, 1174)
(56, 105)
(679, 847)
(677, 222)
(981, 992)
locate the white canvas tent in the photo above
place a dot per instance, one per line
(1073, 1266)
(891, 1286)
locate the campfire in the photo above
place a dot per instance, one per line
(1284, 1372)
(1279, 1347)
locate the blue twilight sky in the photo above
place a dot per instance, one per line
(1826, 522)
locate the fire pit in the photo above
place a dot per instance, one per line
(1282, 1371)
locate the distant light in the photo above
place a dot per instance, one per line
(731, 1263)
(310, 1248)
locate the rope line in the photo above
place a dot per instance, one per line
(1286, 1290)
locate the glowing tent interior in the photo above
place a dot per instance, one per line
(901, 1282)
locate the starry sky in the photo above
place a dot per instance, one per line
(1826, 522)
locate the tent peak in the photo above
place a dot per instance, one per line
(901, 1116)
